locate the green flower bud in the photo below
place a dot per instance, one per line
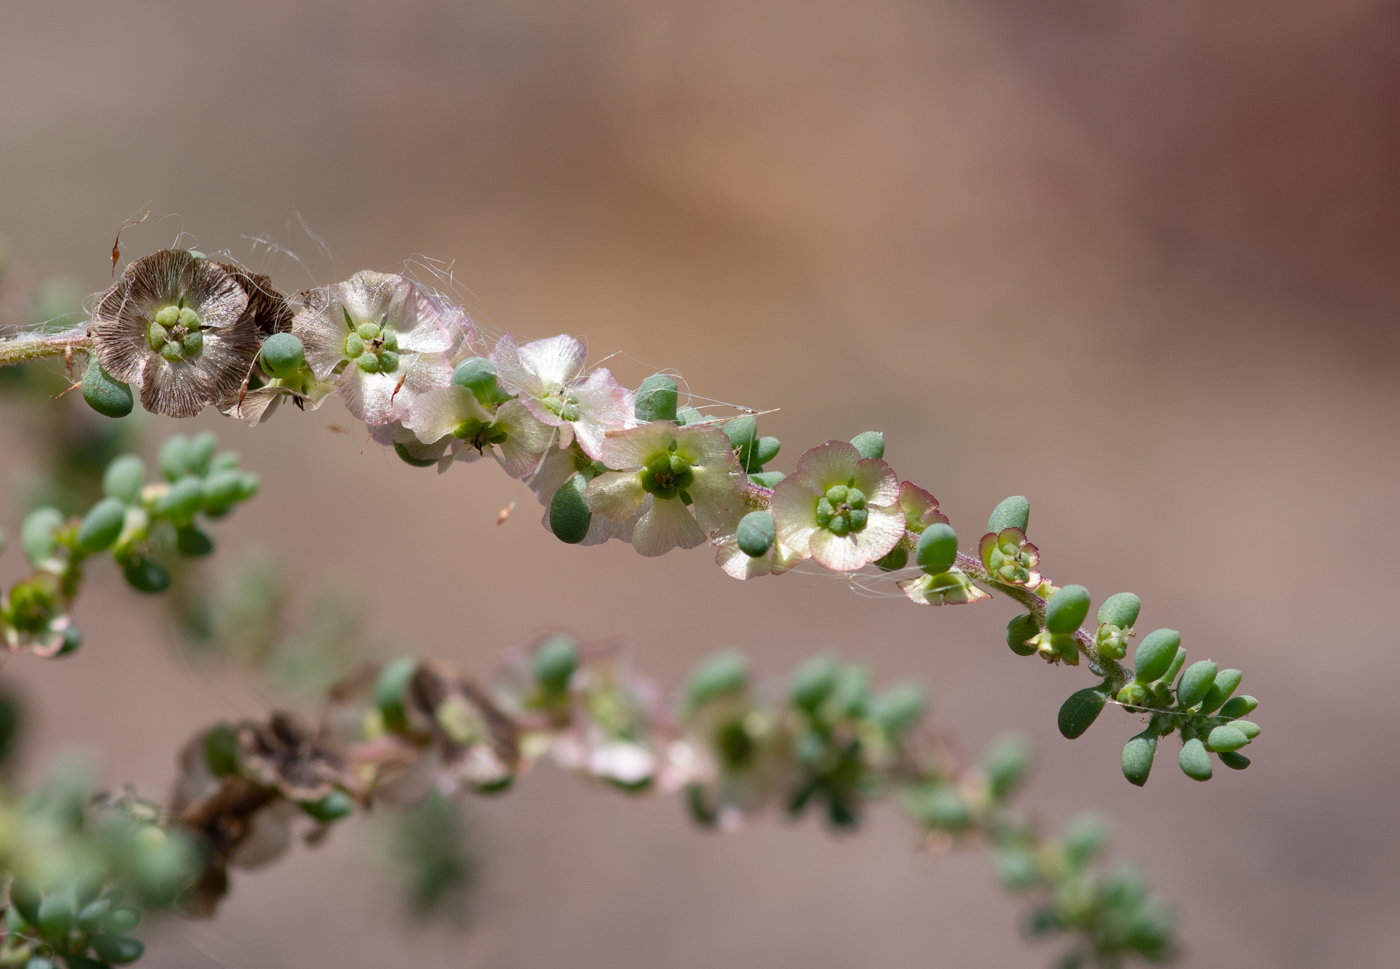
(870, 444)
(56, 916)
(1220, 690)
(756, 533)
(1014, 512)
(1195, 683)
(37, 535)
(368, 362)
(124, 477)
(388, 361)
(388, 690)
(1006, 765)
(1137, 757)
(1079, 712)
(937, 549)
(1120, 609)
(1195, 760)
(899, 708)
(115, 950)
(1233, 760)
(172, 351)
(656, 399)
(896, 559)
(184, 498)
(192, 543)
(147, 576)
(354, 346)
(101, 525)
(767, 479)
(167, 316)
(1066, 609)
(367, 331)
(282, 355)
(1226, 738)
(199, 452)
(812, 683)
(1154, 654)
(332, 807)
(1134, 695)
(104, 394)
(569, 517)
(1019, 632)
(1238, 706)
(409, 458)
(172, 457)
(221, 750)
(554, 663)
(717, 676)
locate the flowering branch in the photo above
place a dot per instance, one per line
(395, 734)
(28, 347)
(607, 462)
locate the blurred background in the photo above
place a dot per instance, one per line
(1135, 261)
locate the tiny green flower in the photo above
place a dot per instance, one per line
(839, 508)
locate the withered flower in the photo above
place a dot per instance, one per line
(178, 325)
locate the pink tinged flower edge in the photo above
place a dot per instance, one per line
(819, 469)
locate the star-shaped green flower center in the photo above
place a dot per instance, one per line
(373, 347)
(176, 332)
(667, 475)
(842, 510)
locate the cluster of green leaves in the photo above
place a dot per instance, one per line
(137, 523)
(83, 869)
(845, 745)
(1196, 702)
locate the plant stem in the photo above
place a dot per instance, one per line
(27, 347)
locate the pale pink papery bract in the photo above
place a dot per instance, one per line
(426, 329)
(547, 376)
(820, 468)
(716, 492)
(435, 416)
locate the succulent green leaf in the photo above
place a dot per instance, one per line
(192, 542)
(117, 950)
(1120, 609)
(899, 708)
(1067, 609)
(742, 432)
(893, 560)
(1137, 757)
(124, 478)
(105, 394)
(332, 807)
(554, 663)
(1006, 765)
(656, 399)
(101, 525)
(569, 517)
(221, 750)
(1220, 690)
(56, 916)
(765, 450)
(200, 453)
(1195, 683)
(1013, 512)
(37, 535)
(388, 690)
(812, 682)
(1195, 760)
(146, 575)
(767, 479)
(1226, 738)
(1155, 654)
(937, 806)
(1247, 727)
(1018, 631)
(1078, 713)
(1233, 760)
(173, 464)
(870, 444)
(937, 549)
(185, 497)
(717, 676)
(1238, 706)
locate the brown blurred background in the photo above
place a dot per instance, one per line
(1136, 261)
